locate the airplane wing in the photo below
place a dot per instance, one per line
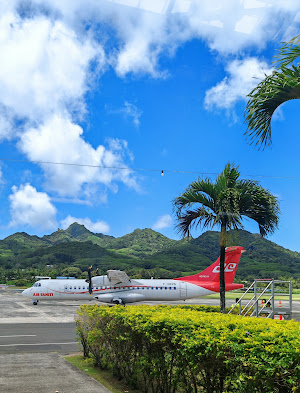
(118, 277)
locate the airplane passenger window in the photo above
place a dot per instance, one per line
(40, 284)
(83, 287)
(170, 287)
(74, 287)
(166, 287)
(70, 287)
(175, 288)
(79, 287)
(161, 287)
(156, 287)
(66, 286)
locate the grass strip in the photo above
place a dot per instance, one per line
(105, 377)
(248, 296)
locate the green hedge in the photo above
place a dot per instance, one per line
(170, 349)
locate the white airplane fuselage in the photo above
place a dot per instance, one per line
(105, 291)
(117, 287)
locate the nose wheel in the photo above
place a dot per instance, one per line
(35, 302)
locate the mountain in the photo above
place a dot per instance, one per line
(145, 252)
(140, 243)
(75, 232)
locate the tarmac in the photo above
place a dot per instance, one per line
(35, 339)
(33, 343)
(44, 373)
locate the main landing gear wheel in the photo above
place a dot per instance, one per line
(118, 302)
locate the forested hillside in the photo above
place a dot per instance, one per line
(142, 253)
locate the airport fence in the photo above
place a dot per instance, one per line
(192, 349)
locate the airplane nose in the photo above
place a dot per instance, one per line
(25, 292)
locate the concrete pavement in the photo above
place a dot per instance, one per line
(44, 373)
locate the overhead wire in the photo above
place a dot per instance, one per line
(162, 171)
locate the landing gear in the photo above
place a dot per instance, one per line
(35, 302)
(118, 301)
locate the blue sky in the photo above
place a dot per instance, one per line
(155, 85)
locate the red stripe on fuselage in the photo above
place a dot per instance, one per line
(215, 287)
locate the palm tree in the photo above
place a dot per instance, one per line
(224, 203)
(281, 86)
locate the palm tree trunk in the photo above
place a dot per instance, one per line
(222, 272)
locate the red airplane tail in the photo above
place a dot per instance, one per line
(211, 274)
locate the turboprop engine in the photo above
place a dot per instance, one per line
(125, 298)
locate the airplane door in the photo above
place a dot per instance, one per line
(183, 290)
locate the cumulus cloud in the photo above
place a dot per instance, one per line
(53, 50)
(96, 227)
(164, 221)
(28, 207)
(243, 76)
(59, 140)
(144, 30)
(44, 68)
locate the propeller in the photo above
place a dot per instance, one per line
(90, 280)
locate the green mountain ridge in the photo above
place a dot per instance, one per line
(144, 253)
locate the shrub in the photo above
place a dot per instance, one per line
(170, 349)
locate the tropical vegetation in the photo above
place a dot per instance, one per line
(167, 349)
(22, 257)
(224, 203)
(281, 86)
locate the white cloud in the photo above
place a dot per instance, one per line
(31, 208)
(44, 67)
(129, 111)
(243, 76)
(144, 30)
(164, 221)
(60, 140)
(132, 111)
(49, 49)
(96, 227)
(2, 181)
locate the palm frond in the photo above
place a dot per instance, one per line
(288, 53)
(203, 187)
(189, 198)
(194, 218)
(200, 191)
(261, 206)
(274, 90)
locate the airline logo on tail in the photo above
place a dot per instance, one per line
(227, 268)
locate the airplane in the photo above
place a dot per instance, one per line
(117, 288)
